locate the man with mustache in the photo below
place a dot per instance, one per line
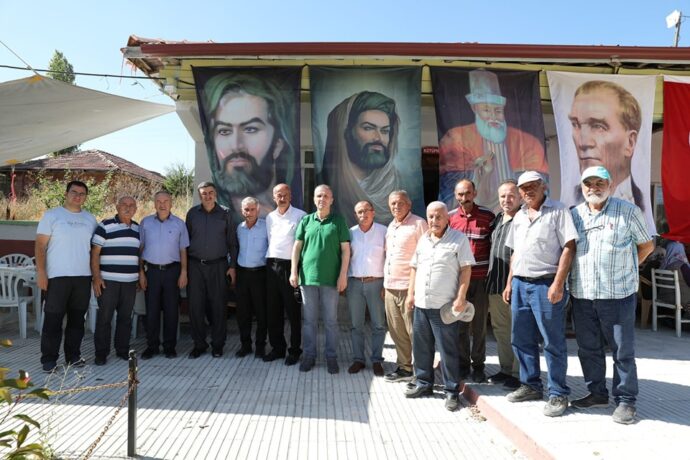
(606, 121)
(251, 140)
(360, 153)
(612, 242)
(542, 238)
(488, 151)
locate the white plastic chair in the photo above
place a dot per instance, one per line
(16, 260)
(9, 296)
(666, 294)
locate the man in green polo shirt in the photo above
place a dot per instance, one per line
(322, 244)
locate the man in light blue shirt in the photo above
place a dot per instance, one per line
(251, 279)
(612, 241)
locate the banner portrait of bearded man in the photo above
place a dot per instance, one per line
(359, 158)
(251, 136)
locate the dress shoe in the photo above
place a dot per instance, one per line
(378, 369)
(419, 391)
(332, 365)
(149, 353)
(273, 355)
(195, 353)
(291, 360)
(79, 362)
(452, 402)
(170, 354)
(100, 361)
(123, 356)
(243, 351)
(217, 352)
(497, 378)
(307, 364)
(355, 367)
(478, 376)
(260, 353)
(511, 383)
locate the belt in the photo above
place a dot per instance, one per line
(538, 278)
(161, 266)
(252, 269)
(209, 261)
(274, 261)
(367, 279)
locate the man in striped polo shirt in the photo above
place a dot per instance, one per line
(475, 222)
(115, 271)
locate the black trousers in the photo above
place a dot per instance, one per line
(207, 289)
(280, 300)
(65, 295)
(116, 297)
(476, 355)
(162, 294)
(251, 302)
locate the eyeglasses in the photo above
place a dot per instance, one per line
(298, 295)
(77, 194)
(594, 229)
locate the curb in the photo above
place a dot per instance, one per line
(525, 443)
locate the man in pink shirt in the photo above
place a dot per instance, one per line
(401, 241)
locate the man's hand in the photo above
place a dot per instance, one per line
(142, 280)
(409, 302)
(507, 293)
(232, 274)
(459, 305)
(294, 280)
(182, 280)
(42, 280)
(555, 293)
(98, 285)
(342, 283)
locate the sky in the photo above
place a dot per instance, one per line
(90, 34)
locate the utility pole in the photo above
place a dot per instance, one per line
(674, 20)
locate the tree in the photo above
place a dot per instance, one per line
(60, 69)
(179, 180)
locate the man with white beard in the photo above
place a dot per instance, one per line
(612, 242)
(488, 151)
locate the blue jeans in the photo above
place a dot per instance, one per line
(534, 315)
(359, 296)
(612, 320)
(315, 299)
(429, 332)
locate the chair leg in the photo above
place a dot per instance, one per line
(22, 319)
(644, 313)
(679, 311)
(654, 313)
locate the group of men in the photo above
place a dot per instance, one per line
(430, 283)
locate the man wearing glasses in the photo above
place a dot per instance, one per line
(612, 242)
(63, 248)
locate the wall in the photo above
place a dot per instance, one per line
(17, 237)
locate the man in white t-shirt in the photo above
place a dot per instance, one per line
(63, 247)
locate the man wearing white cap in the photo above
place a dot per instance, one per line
(543, 241)
(612, 242)
(487, 151)
(440, 274)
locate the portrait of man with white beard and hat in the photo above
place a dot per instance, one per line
(488, 151)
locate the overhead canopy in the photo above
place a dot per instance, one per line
(40, 115)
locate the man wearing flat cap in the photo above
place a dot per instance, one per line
(488, 149)
(612, 242)
(543, 241)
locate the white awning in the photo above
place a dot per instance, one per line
(39, 115)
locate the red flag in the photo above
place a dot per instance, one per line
(675, 160)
